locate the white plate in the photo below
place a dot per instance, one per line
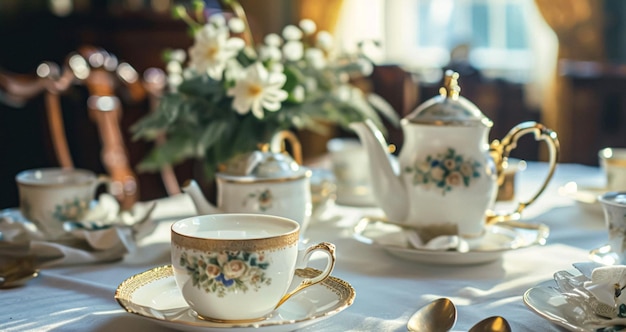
(585, 196)
(497, 240)
(549, 303)
(153, 295)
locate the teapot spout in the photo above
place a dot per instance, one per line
(191, 188)
(389, 190)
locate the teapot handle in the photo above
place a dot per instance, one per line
(277, 144)
(500, 150)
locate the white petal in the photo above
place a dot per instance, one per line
(273, 39)
(307, 26)
(324, 40)
(293, 50)
(257, 109)
(291, 32)
(218, 20)
(236, 25)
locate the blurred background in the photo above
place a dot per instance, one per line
(560, 62)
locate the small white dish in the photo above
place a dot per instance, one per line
(566, 303)
(153, 295)
(604, 255)
(497, 240)
(585, 196)
(549, 303)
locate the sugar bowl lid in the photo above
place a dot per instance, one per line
(262, 165)
(449, 108)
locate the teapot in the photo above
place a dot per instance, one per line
(448, 174)
(265, 181)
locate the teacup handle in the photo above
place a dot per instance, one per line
(500, 151)
(325, 247)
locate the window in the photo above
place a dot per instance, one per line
(421, 34)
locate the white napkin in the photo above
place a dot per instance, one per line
(106, 234)
(441, 242)
(608, 286)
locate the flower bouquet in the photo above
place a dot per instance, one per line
(226, 95)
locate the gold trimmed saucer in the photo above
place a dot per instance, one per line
(153, 295)
(498, 239)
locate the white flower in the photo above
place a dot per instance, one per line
(273, 40)
(293, 50)
(212, 49)
(607, 284)
(218, 20)
(298, 93)
(271, 53)
(258, 90)
(307, 26)
(324, 40)
(291, 32)
(315, 57)
(236, 25)
(178, 55)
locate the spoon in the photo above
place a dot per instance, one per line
(437, 316)
(492, 324)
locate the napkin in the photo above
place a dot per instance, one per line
(608, 286)
(441, 242)
(105, 234)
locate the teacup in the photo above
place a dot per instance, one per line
(348, 158)
(613, 163)
(50, 196)
(614, 206)
(239, 267)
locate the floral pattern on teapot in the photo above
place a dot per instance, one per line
(223, 272)
(264, 199)
(444, 171)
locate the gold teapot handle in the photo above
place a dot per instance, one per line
(277, 144)
(500, 150)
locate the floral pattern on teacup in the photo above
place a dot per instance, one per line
(444, 171)
(72, 210)
(222, 272)
(264, 198)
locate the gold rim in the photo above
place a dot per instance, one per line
(265, 244)
(249, 179)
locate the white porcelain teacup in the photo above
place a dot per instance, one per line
(239, 267)
(614, 205)
(349, 159)
(50, 196)
(613, 163)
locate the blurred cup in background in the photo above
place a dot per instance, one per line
(613, 163)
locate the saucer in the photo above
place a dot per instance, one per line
(153, 295)
(604, 255)
(498, 239)
(550, 304)
(585, 196)
(564, 304)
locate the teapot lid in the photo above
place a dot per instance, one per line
(449, 108)
(261, 165)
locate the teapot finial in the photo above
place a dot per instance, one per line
(450, 88)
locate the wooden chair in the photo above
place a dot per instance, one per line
(104, 77)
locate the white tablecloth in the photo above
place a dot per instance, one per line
(388, 289)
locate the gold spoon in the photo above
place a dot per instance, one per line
(437, 316)
(492, 324)
(17, 271)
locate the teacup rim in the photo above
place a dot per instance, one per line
(21, 179)
(295, 230)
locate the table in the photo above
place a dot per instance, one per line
(388, 289)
